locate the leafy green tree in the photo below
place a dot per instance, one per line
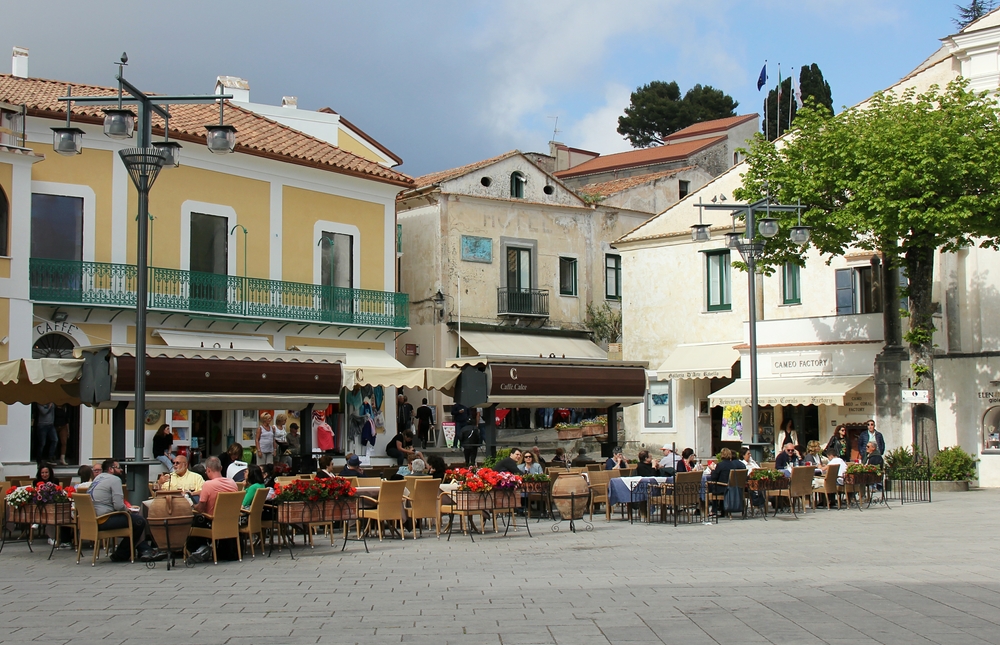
(657, 110)
(814, 89)
(973, 11)
(605, 323)
(905, 176)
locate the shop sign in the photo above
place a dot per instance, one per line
(989, 397)
(802, 363)
(49, 327)
(858, 405)
(916, 396)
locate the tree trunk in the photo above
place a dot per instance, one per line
(920, 339)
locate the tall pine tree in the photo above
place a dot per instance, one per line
(975, 10)
(814, 89)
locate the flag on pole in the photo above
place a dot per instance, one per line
(762, 79)
(798, 93)
(779, 85)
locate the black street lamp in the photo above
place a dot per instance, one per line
(144, 163)
(751, 248)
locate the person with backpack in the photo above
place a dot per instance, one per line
(471, 439)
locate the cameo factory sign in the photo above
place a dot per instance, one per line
(802, 363)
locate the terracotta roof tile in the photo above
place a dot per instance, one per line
(608, 188)
(715, 125)
(256, 134)
(641, 157)
(445, 175)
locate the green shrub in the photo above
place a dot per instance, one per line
(953, 464)
(906, 463)
(490, 462)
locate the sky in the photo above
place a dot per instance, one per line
(449, 82)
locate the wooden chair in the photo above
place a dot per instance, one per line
(225, 524)
(451, 510)
(388, 506)
(769, 465)
(599, 492)
(594, 467)
(284, 481)
(799, 488)
(254, 527)
(737, 480)
(369, 481)
(89, 527)
(831, 487)
(305, 475)
(410, 479)
(353, 480)
(422, 503)
(686, 496)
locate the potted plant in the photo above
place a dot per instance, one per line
(536, 483)
(951, 470)
(766, 479)
(569, 431)
(47, 503)
(314, 500)
(484, 489)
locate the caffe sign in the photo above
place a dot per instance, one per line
(802, 363)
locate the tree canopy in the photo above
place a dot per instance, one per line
(814, 89)
(973, 11)
(904, 176)
(657, 110)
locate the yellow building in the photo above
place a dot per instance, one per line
(290, 243)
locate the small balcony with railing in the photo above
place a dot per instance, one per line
(113, 286)
(523, 302)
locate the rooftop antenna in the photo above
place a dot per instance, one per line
(555, 127)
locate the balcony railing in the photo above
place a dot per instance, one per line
(522, 302)
(102, 284)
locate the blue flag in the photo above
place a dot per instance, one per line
(762, 79)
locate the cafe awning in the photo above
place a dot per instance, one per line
(708, 360)
(370, 367)
(525, 382)
(40, 380)
(815, 390)
(531, 345)
(177, 338)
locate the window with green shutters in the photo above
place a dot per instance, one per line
(791, 292)
(717, 281)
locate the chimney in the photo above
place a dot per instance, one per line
(290, 102)
(238, 87)
(19, 64)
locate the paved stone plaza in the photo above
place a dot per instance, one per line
(922, 573)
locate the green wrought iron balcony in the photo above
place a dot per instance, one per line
(102, 284)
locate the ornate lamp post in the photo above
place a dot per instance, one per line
(751, 248)
(144, 163)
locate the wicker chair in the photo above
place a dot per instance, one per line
(738, 480)
(255, 527)
(799, 488)
(225, 523)
(422, 503)
(89, 524)
(388, 506)
(599, 492)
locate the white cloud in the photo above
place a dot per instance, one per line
(597, 130)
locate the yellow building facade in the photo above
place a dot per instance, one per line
(290, 242)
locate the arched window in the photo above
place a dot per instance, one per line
(4, 224)
(517, 185)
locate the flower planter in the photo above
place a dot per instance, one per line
(27, 514)
(300, 512)
(467, 500)
(336, 510)
(767, 484)
(536, 487)
(506, 499)
(948, 486)
(593, 430)
(56, 513)
(569, 433)
(861, 479)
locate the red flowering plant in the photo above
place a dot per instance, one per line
(483, 480)
(314, 490)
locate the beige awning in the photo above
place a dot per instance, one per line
(531, 345)
(815, 390)
(41, 380)
(441, 379)
(710, 360)
(412, 377)
(176, 338)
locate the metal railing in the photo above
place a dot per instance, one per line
(522, 302)
(103, 284)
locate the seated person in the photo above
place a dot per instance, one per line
(814, 455)
(181, 478)
(581, 459)
(530, 466)
(616, 461)
(669, 458)
(645, 468)
(748, 460)
(353, 467)
(86, 474)
(788, 458)
(205, 508)
(835, 461)
(872, 456)
(418, 467)
(436, 467)
(106, 491)
(719, 479)
(510, 463)
(687, 461)
(560, 458)
(325, 468)
(231, 456)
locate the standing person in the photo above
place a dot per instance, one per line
(106, 491)
(786, 434)
(163, 440)
(404, 413)
(62, 413)
(472, 438)
(424, 417)
(460, 415)
(45, 431)
(838, 443)
(265, 440)
(280, 435)
(294, 447)
(873, 435)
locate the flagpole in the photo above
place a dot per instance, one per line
(791, 96)
(765, 102)
(777, 107)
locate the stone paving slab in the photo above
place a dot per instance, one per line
(916, 574)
